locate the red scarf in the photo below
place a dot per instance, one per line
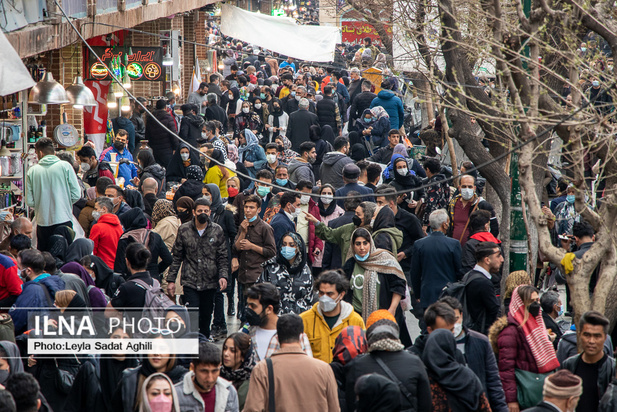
(535, 334)
(485, 237)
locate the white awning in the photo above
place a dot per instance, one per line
(14, 76)
(280, 34)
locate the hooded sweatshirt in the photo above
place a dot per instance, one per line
(332, 168)
(105, 235)
(53, 179)
(393, 105)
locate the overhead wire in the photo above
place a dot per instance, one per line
(399, 192)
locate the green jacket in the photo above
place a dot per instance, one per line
(341, 236)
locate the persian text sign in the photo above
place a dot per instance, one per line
(146, 63)
(354, 32)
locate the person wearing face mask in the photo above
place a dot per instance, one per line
(462, 205)
(247, 119)
(263, 304)
(158, 394)
(277, 122)
(272, 159)
(552, 308)
(252, 155)
(327, 318)
(127, 170)
(106, 231)
(285, 220)
(566, 214)
(262, 111)
(162, 142)
(184, 209)
(306, 229)
(329, 210)
(201, 250)
(290, 273)
(522, 342)
(92, 169)
(478, 354)
(182, 159)
(218, 174)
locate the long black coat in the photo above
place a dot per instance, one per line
(160, 140)
(298, 127)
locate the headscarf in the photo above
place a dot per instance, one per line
(243, 373)
(13, 358)
(384, 336)
(323, 209)
(401, 150)
(58, 246)
(365, 124)
(358, 152)
(514, 280)
(184, 315)
(133, 219)
(218, 156)
(535, 335)
(104, 274)
(110, 374)
(327, 134)
(455, 378)
(217, 206)
(287, 155)
(232, 153)
(251, 141)
(145, 406)
(176, 167)
(379, 112)
(77, 269)
(77, 302)
(301, 258)
(66, 232)
(194, 172)
(78, 249)
(162, 209)
(409, 180)
(350, 343)
(379, 261)
(186, 203)
(377, 393)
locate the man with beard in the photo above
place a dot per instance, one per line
(198, 97)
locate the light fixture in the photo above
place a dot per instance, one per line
(48, 91)
(112, 104)
(126, 80)
(167, 60)
(125, 104)
(176, 89)
(79, 95)
(117, 90)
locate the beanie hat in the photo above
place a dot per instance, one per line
(377, 315)
(562, 384)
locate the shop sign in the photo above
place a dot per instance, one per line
(354, 33)
(145, 63)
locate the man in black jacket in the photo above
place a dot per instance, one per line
(213, 86)
(483, 305)
(328, 111)
(160, 140)
(551, 309)
(479, 356)
(216, 112)
(299, 124)
(406, 222)
(191, 125)
(138, 121)
(383, 155)
(362, 101)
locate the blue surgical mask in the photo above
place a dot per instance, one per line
(293, 94)
(560, 311)
(262, 96)
(288, 252)
(368, 119)
(595, 83)
(570, 199)
(281, 182)
(263, 190)
(362, 258)
(251, 220)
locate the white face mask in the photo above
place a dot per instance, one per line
(402, 172)
(467, 193)
(458, 328)
(84, 167)
(245, 110)
(258, 106)
(327, 199)
(296, 212)
(304, 199)
(271, 158)
(184, 156)
(204, 135)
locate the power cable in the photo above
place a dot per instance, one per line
(400, 192)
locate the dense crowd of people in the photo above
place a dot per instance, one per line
(292, 192)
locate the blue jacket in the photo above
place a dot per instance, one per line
(33, 296)
(349, 187)
(126, 124)
(435, 261)
(393, 105)
(127, 171)
(281, 224)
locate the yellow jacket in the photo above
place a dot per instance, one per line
(319, 334)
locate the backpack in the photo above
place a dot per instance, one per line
(156, 302)
(457, 290)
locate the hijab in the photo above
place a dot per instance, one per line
(78, 302)
(301, 257)
(133, 219)
(232, 153)
(287, 155)
(350, 343)
(458, 381)
(104, 274)
(409, 180)
(379, 112)
(327, 134)
(186, 203)
(13, 358)
(243, 373)
(58, 247)
(217, 206)
(144, 405)
(176, 167)
(358, 152)
(110, 374)
(377, 393)
(194, 172)
(323, 209)
(251, 141)
(379, 261)
(399, 149)
(162, 209)
(218, 156)
(78, 249)
(77, 269)
(65, 232)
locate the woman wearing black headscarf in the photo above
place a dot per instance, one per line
(104, 278)
(182, 159)
(193, 186)
(454, 387)
(377, 393)
(404, 179)
(149, 168)
(134, 222)
(358, 147)
(78, 249)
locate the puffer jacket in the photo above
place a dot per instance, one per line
(203, 258)
(156, 172)
(513, 352)
(393, 105)
(331, 170)
(320, 335)
(34, 296)
(190, 129)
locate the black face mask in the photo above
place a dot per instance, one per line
(203, 218)
(534, 309)
(119, 146)
(184, 216)
(356, 220)
(253, 318)
(280, 148)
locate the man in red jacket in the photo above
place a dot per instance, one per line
(106, 231)
(10, 283)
